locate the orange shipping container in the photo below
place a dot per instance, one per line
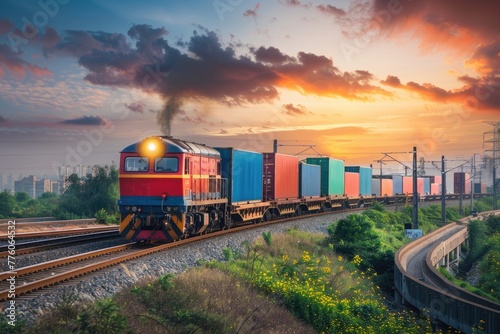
(351, 181)
(435, 188)
(387, 187)
(407, 185)
(420, 186)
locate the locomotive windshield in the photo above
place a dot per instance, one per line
(170, 165)
(136, 164)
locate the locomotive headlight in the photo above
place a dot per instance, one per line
(151, 147)
(134, 208)
(127, 208)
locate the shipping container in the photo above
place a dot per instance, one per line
(243, 170)
(332, 175)
(280, 176)
(375, 187)
(435, 189)
(407, 185)
(351, 188)
(387, 187)
(365, 178)
(397, 183)
(480, 188)
(461, 183)
(420, 185)
(309, 180)
(427, 185)
(435, 178)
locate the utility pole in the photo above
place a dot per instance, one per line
(415, 190)
(443, 191)
(472, 172)
(493, 138)
(443, 184)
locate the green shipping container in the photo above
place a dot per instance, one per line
(332, 175)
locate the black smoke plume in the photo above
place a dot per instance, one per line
(165, 116)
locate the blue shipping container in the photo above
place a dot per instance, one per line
(365, 178)
(427, 185)
(243, 170)
(309, 180)
(376, 187)
(397, 184)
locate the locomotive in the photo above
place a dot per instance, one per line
(171, 189)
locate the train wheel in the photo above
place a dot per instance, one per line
(267, 216)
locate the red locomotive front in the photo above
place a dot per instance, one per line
(169, 189)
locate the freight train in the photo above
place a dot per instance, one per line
(172, 189)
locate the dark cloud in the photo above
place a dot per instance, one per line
(138, 107)
(332, 10)
(5, 26)
(252, 12)
(270, 55)
(292, 110)
(450, 16)
(392, 81)
(477, 93)
(296, 3)
(2, 119)
(87, 120)
(208, 69)
(203, 68)
(17, 67)
(486, 58)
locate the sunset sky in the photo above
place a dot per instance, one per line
(80, 80)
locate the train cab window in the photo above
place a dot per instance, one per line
(169, 165)
(136, 164)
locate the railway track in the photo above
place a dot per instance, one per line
(59, 232)
(26, 220)
(47, 244)
(41, 276)
(49, 222)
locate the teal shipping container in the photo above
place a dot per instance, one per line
(243, 170)
(365, 178)
(332, 175)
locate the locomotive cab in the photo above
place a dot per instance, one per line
(170, 189)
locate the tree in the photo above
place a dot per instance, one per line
(22, 196)
(355, 235)
(7, 204)
(84, 197)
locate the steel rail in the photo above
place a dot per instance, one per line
(59, 232)
(46, 244)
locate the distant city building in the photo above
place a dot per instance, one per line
(27, 185)
(42, 186)
(35, 188)
(56, 187)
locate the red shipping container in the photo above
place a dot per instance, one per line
(437, 179)
(407, 185)
(280, 176)
(461, 183)
(387, 187)
(351, 184)
(420, 186)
